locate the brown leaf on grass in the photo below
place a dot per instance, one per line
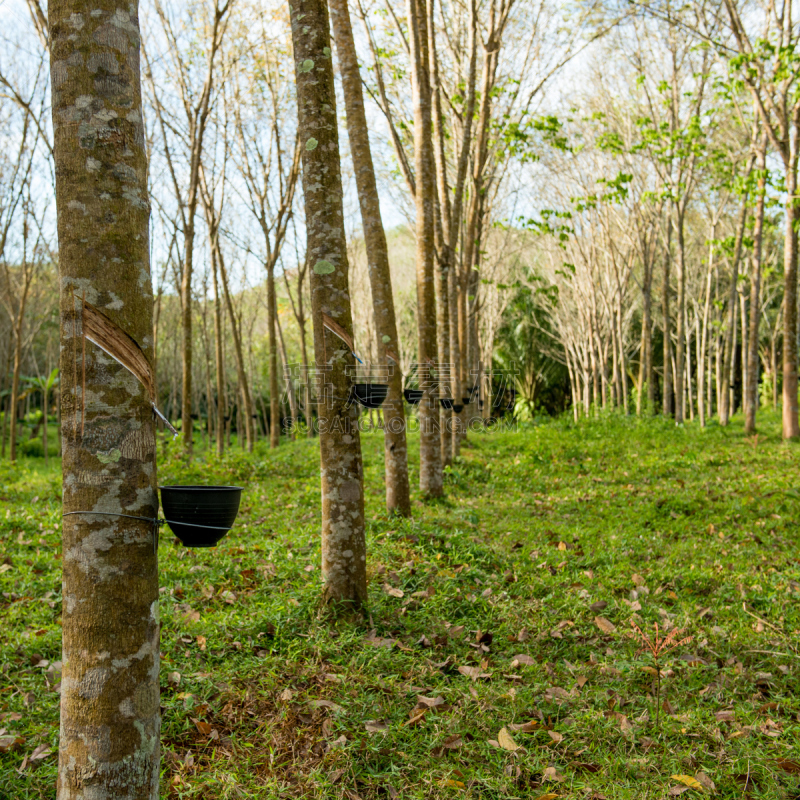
(455, 630)
(416, 717)
(548, 796)
(705, 782)
(378, 641)
(525, 727)
(555, 736)
(229, 597)
(523, 635)
(10, 743)
(637, 579)
(174, 679)
(203, 727)
(390, 590)
(787, 765)
(528, 661)
(286, 695)
(429, 702)
(581, 680)
(191, 616)
(474, 673)
(453, 742)
(605, 625)
(201, 642)
(506, 741)
(556, 693)
(725, 716)
(327, 704)
(551, 774)
(452, 784)
(598, 606)
(375, 726)
(39, 754)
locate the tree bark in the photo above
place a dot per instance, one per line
(680, 313)
(430, 472)
(394, 437)
(220, 362)
(724, 399)
(791, 427)
(110, 722)
(751, 389)
(344, 551)
(666, 400)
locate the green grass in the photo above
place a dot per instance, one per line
(537, 526)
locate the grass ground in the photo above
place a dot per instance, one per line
(497, 659)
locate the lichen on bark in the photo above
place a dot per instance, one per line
(110, 722)
(343, 541)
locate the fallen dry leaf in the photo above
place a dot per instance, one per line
(548, 796)
(453, 784)
(474, 673)
(201, 642)
(390, 590)
(525, 727)
(551, 774)
(11, 743)
(787, 765)
(581, 680)
(638, 580)
(453, 742)
(605, 625)
(375, 726)
(725, 716)
(327, 704)
(506, 741)
(555, 736)
(203, 727)
(706, 782)
(528, 661)
(429, 702)
(687, 780)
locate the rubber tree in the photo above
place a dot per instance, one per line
(430, 462)
(344, 551)
(395, 449)
(110, 721)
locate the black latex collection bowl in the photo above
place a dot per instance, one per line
(413, 396)
(458, 408)
(370, 395)
(200, 515)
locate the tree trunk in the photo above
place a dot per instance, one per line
(237, 350)
(274, 391)
(791, 427)
(751, 388)
(394, 436)
(680, 313)
(646, 348)
(220, 362)
(430, 472)
(724, 399)
(344, 551)
(110, 721)
(44, 429)
(289, 384)
(666, 400)
(14, 399)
